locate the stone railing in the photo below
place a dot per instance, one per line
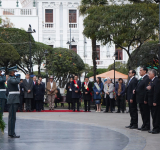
(73, 25)
(49, 25)
(18, 11)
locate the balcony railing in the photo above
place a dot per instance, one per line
(18, 11)
(73, 25)
(49, 25)
(99, 62)
(26, 12)
(8, 12)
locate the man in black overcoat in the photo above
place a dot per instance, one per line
(132, 100)
(76, 88)
(153, 100)
(87, 89)
(140, 92)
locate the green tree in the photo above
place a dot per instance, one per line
(8, 55)
(119, 66)
(63, 63)
(2, 123)
(39, 54)
(19, 39)
(128, 26)
(84, 7)
(98, 71)
(146, 55)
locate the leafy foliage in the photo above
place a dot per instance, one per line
(98, 71)
(146, 55)
(128, 26)
(62, 63)
(8, 55)
(2, 123)
(39, 54)
(19, 39)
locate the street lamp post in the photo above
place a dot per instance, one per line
(70, 42)
(46, 52)
(30, 31)
(114, 58)
(158, 1)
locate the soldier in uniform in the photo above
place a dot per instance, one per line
(13, 100)
(2, 90)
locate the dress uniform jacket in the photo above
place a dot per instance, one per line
(12, 84)
(87, 96)
(2, 87)
(74, 88)
(28, 86)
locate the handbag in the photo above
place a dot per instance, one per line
(97, 101)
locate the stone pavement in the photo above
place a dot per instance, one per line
(77, 130)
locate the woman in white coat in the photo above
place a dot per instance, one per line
(108, 91)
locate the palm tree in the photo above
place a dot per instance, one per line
(83, 8)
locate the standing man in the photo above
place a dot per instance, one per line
(21, 96)
(140, 93)
(120, 95)
(51, 91)
(28, 91)
(153, 100)
(87, 95)
(132, 100)
(76, 88)
(33, 103)
(2, 90)
(13, 100)
(42, 103)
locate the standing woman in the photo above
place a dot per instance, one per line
(98, 87)
(69, 94)
(108, 90)
(38, 93)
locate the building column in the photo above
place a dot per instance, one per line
(57, 25)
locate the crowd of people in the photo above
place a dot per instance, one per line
(144, 93)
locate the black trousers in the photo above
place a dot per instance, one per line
(109, 102)
(76, 100)
(21, 102)
(87, 102)
(120, 101)
(155, 112)
(28, 104)
(70, 106)
(2, 104)
(145, 114)
(12, 119)
(133, 113)
(38, 105)
(33, 104)
(42, 104)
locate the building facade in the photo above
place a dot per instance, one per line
(59, 24)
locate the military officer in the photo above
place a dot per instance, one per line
(2, 90)
(13, 100)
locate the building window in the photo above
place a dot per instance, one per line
(98, 51)
(51, 46)
(72, 16)
(119, 53)
(74, 48)
(49, 15)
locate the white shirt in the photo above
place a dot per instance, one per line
(51, 85)
(153, 78)
(144, 76)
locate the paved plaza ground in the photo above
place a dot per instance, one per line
(77, 131)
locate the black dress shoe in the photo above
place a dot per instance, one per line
(14, 136)
(155, 132)
(128, 126)
(150, 131)
(145, 129)
(139, 129)
(105, 112)
(133, 127)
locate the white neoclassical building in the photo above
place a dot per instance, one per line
(55, 21)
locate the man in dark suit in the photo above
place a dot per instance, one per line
(76, 88)
(131, 100)
(33, 103)
(21, 86)
(42, 103)
(140, 92)
(153, 100)
(87, 88)
(28, 91)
